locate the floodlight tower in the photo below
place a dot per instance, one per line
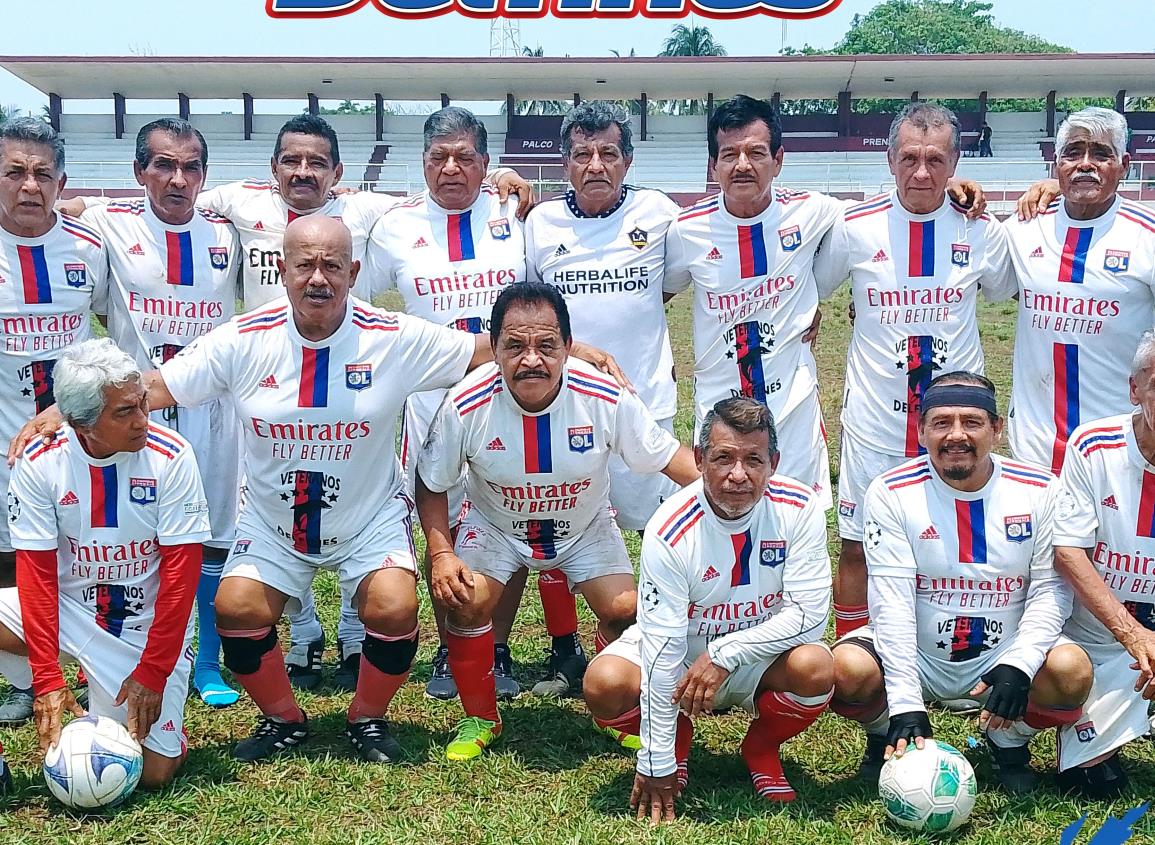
(504, 37)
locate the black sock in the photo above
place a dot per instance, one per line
(567, 645)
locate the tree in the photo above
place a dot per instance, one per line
(349, 107)
(689, 41)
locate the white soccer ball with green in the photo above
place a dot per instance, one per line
(931, 789)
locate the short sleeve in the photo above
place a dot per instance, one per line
(808, 558)
(827, 211)
(887, 547)
(832, 262)
(218, 199)
(532, 269)
(182, 509)
(1076, 515)
(663, 590)
(380, 263)
(202, 371)
(644, 445)
(31, 508)
(999, 281)
(677, 276)
(436, 356)
(100, 271)
(442, 460)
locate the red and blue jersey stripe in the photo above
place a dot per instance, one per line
(314, 389)
(920, 260)
(459, 236)
(1075, 248)
(1066, 358)
(971, 521)
(969, 638)
(1146, 523)
(540, 536)
(34, 274)
(1107, 437)
(538, 445)
(42, 384)
(740, 574)
(752, 251)
(308, 502)
(683, 519)
(920, 366)
(748, 347)
(102, 496)
(179, 268)
(906, 475)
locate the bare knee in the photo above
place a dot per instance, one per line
(242, 604)
(1065, 677)
(159, 771)
(392, 615)
(811, 670)
(11, 643)
(612, 686)
(857, 678)
(619, 613)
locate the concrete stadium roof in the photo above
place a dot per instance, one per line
(219, 77)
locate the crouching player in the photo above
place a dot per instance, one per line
(536, 433)
(107, 521)
(964, 596)
(1104, 525)
(734, 597)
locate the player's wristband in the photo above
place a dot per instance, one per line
(908, 726)
(1010, 687)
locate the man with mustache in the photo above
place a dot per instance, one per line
(964, 598)
(1086, 275)
(532, 436)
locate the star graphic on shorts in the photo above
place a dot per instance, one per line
(941, 644)
(898, 365)
(994, 641)
(332, 497)
(730, 353)
(285, 497)
(26, 391)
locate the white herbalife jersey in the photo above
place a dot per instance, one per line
(108, 519)
(914, 279)
(610, 269)
(261, 214)
(1087, 294)
(1107, 506)
(320, 418)
(746, 590)
(540, 478)
(754, 296)
(449, 267)
(974, 563)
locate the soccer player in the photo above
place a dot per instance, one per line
(1104, 526)
(916, 264)
(602, 244)
(173, 278)
(108, 520)
(965, 601)
(449, 252)
(735, 594)
(535, 432)
(53, 268)
(1086, 273)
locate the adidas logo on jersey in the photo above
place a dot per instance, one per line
(1109, 502)
(710, 574)
(258, 226)
(420, 242)
(69, 498)
(269, 381)
(136, 249)
(714, 255)
(880, 256)
(1038, 253)
(169, 726)
(495, 445)
(3, 280)
(561, 250)
(931, 533)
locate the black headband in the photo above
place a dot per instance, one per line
(959, 395)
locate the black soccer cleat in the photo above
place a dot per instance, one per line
(6, 786)
(348, 666)
(1100, 782)
(507, 686)
(271, 738)
(872, 759)
(303, 663)
(565, 676)
(372, 741)
(1013, 768)
(441, 685)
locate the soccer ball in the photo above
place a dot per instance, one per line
(96, 764)
(931, 789)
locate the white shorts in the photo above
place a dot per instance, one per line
(414, 430)
(108, 660)
(385, 543)
(598, 552)
(5, 537)
(635, 497)
(858, 466)
(1113, 715)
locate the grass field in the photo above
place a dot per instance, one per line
(551, 780)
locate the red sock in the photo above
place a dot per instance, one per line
(1051, 717)
(375, 689)
(849, 617)
(682, 740)
(471, 662)
(629, 722)
(81, 678)
(557, 603)
(600, 641)
(780, 717)
(269, 686)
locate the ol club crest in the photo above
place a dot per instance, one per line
(358, 376)
(581, 438)
(1018, 528)
(772, 553)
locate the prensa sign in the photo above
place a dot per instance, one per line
(557, 8)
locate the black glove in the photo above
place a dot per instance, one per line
(907, 726)
(1009, 689)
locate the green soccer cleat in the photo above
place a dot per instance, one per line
(474, 735)
(630, 742)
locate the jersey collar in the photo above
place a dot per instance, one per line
(151, 218)
(941, 211)
(1063, 220)
(955, 493)
(331, 340)
(1133, 451)
(571, 204)
(552, 406)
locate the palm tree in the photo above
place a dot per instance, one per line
(689, 41)
(538, 106)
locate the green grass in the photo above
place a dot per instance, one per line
(551, 780)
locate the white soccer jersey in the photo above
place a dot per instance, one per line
(108, 519)
(540, 478)
(1087, 293)
(449, 267)
(610, 269)
(320, 418)
(974, 563)
(1107, 506)
(754, 296)
(914, 279)
(709, 584)
(261, 214)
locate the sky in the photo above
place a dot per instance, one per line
(241, 27)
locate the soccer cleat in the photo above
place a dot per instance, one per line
(6, 785)
(303, 663)
(212, 688)
(628, 741)
(272, 737)
(372, 740)
(348, 665)
(565, 676)
(1100, 782)
(872, 759)
(507, 686)
(441, 685)
(474, 735)
(18, 708)
(1013, 768)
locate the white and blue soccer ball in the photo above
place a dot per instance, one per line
(931, 789)
(96, 764)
